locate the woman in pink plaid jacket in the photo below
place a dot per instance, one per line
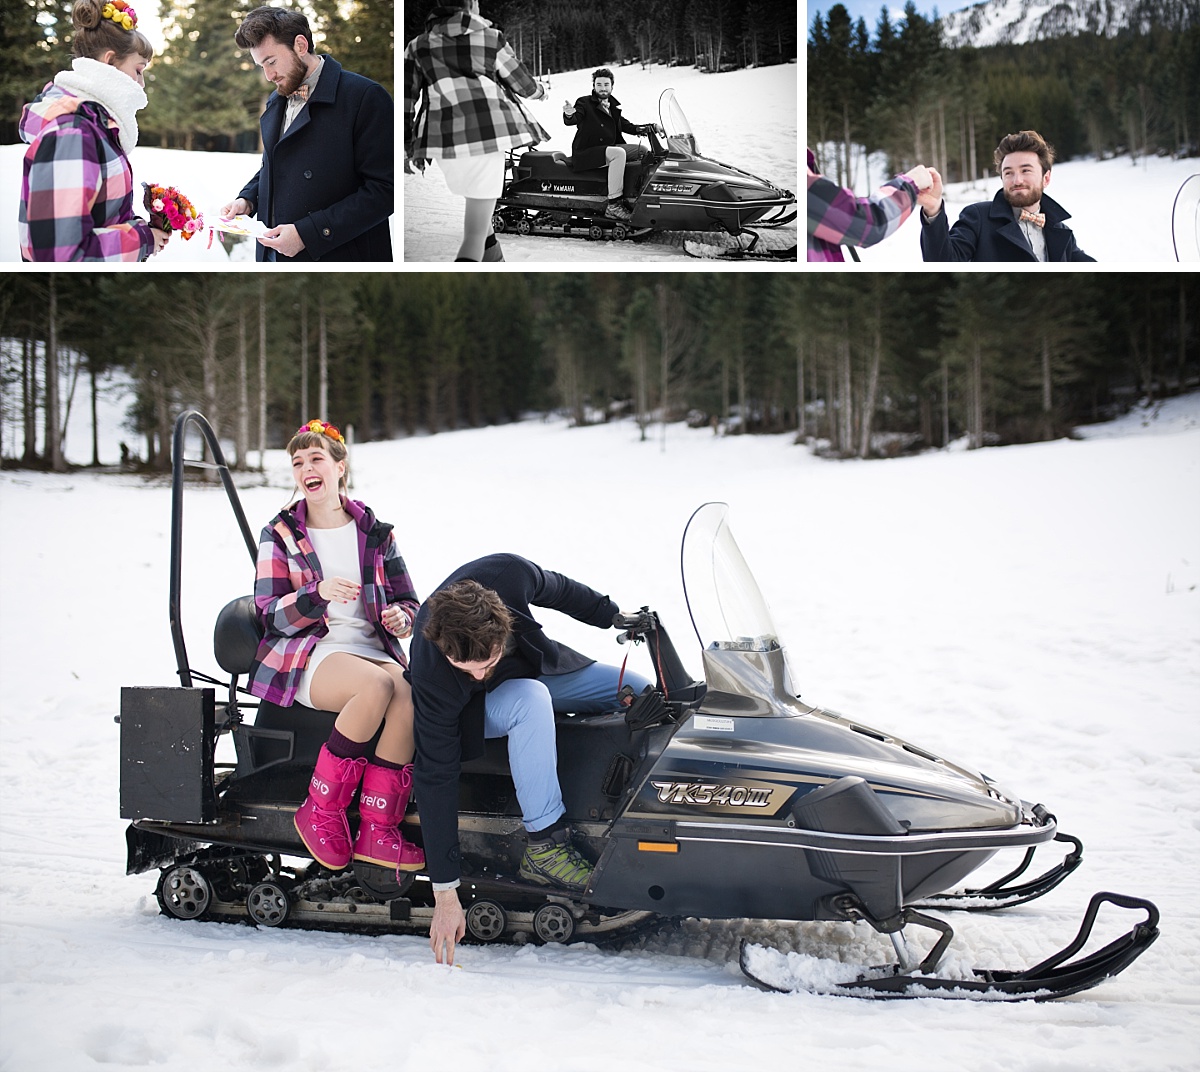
(461, 81)
(77, 186)
(334, 598)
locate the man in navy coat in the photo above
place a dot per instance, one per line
(325, 189)
(481, 666)
(1021, 223)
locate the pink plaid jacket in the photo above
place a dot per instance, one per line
(293, 614)
(461, 83)
(77, 187)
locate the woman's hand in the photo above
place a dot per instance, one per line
(397, 622)
(160, 240)
(338, 590)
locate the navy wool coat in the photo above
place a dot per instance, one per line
(595, 131)
(448, 706)
(332, 174)
(987, 231)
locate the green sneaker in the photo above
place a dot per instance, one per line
(550, 864)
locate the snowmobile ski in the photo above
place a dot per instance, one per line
(710, 251)
(1055, 977)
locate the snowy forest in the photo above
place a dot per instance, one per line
(858, 367)
(895, 88)
(566, 35)
(205, 93)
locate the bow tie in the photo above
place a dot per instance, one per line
(1038, 218)
(301, 94)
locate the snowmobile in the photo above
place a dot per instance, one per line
(721, 798)
(672, 188)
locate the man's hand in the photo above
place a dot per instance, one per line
(283, 239)
(447, 927)
(930, 199)
(568, 108)
(239, 206)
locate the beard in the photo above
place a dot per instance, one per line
(292, 79)
(1024, 198)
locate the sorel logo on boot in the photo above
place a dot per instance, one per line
(379, 803)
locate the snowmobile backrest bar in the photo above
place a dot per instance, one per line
(192, 416)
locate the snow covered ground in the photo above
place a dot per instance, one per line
(1088, 189)
(1032, 610)
(208, 180)
(746, 119)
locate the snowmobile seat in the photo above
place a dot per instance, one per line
(278, 735)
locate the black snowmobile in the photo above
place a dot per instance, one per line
(723, 799)
(672, 188)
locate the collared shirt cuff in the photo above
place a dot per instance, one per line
(438, 887)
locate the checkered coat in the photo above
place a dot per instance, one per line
(836, 217)
(77, 188)
(291, 611)
(460, 77)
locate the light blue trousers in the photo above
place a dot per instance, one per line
(523, 711)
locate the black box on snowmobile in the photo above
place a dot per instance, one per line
(167, 737)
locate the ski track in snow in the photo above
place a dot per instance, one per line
(1033, 611)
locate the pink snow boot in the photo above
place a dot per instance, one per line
(381, 805)
(321, 821)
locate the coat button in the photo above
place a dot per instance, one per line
(325, 232)
(308, 174)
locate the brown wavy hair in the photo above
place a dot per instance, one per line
(95, 35)
(1025, 141)
(467, 622)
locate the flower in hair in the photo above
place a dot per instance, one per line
(121, 13)
(322, 428)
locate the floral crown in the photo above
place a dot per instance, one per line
(322, 428)
(121, 13)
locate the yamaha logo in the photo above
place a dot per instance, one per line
(738, 796)
(558, 187)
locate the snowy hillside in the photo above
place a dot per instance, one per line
(1031, 610)
(1007, 22)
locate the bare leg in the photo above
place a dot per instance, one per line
(359, 690)
(477, 225)
(615, 155)
(396, 742)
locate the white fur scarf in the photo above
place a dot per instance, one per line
(120, 95)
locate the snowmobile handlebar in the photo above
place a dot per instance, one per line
(635, 626)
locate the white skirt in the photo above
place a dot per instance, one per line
(477, 177)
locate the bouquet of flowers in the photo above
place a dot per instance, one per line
(171, 211)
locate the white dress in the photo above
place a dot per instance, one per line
(349, 630)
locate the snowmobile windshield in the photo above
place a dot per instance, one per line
(678, 131)
(728, 610)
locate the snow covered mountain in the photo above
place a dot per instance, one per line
(1001, 22)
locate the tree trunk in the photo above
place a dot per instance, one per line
(801, 416)
(53, 442)
(322, 362)
(243, 399)
(864, 443)
(304, 410)
(95, 428)
(29, 398)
